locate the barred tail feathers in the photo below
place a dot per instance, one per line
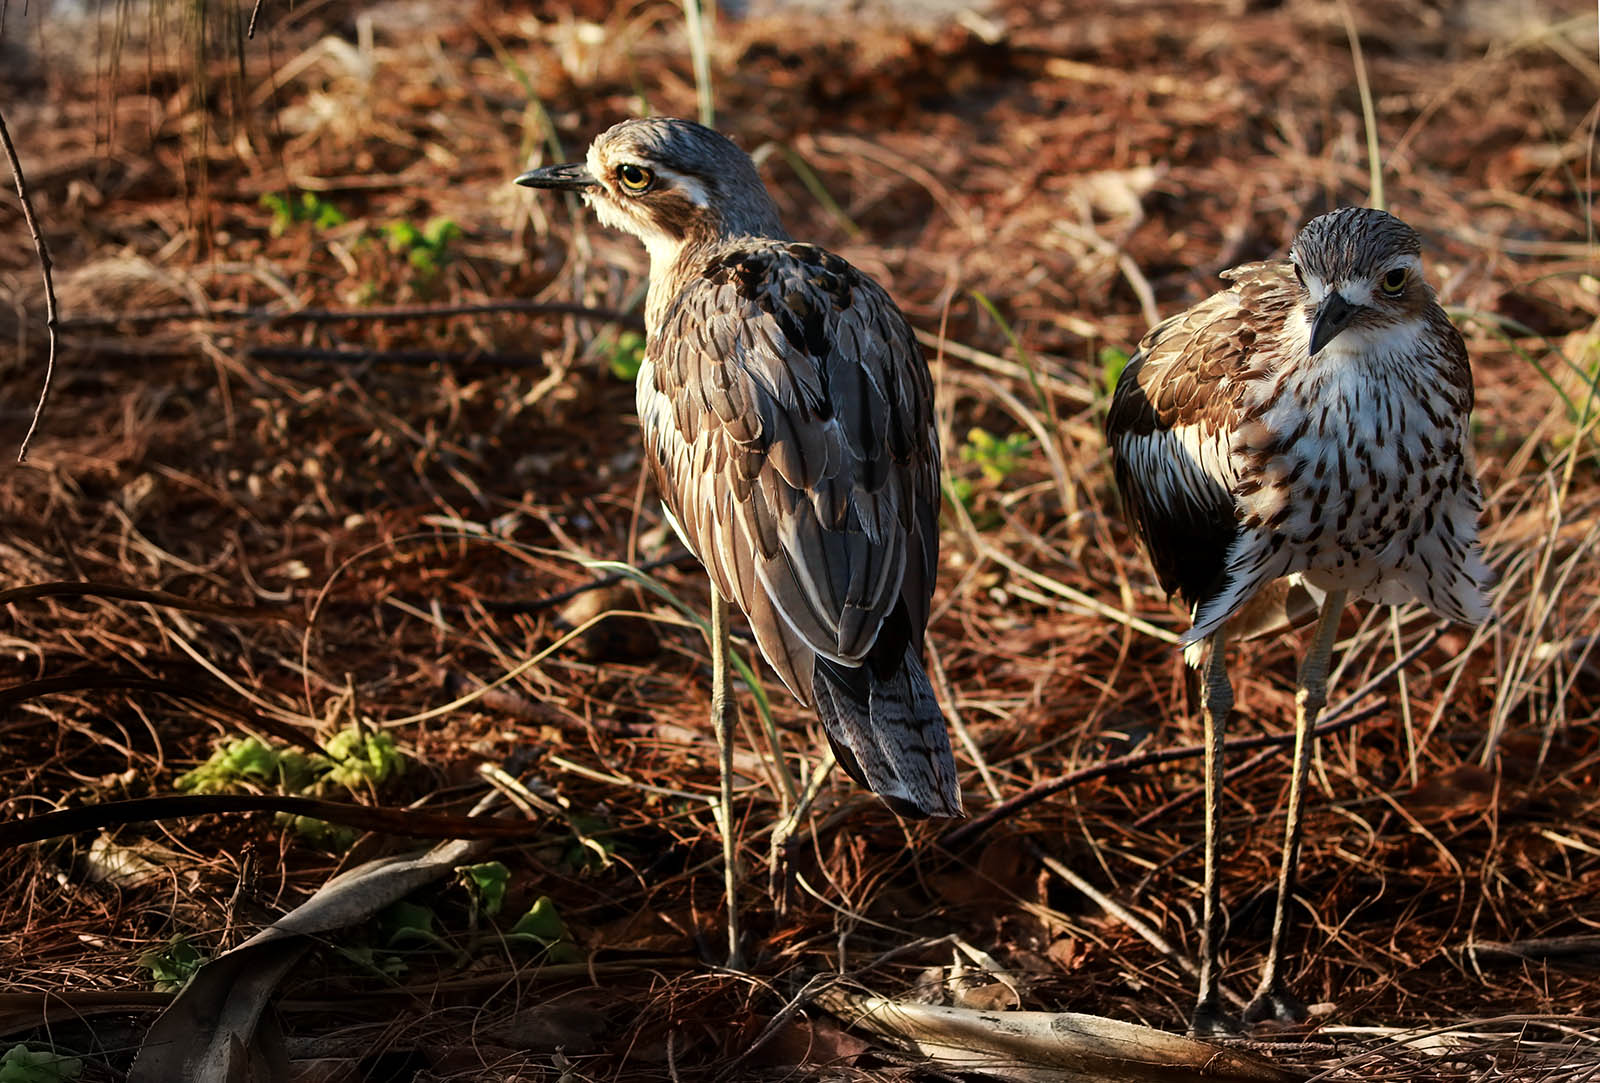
(889, 735)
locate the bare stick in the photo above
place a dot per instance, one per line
(49, 283)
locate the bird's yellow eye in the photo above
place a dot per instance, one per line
(635, 178)
(1395, 281)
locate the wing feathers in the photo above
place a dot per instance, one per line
(788, 412)
(1177, 404)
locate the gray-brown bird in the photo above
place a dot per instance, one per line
(1309, 422)
(788, 419)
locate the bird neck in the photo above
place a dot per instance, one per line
(675, 262)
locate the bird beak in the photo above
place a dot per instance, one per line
(574, 176)
(1332, 316)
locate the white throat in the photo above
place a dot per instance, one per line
(1363, 343)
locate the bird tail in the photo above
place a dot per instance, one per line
(886, 729)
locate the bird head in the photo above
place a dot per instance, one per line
(1360, 273)
(670, 183)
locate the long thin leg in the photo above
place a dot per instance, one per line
(1273, 1000)
(1216, 701)
(722, 724)
(780, 866)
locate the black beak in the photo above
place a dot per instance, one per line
(574, 177)
(1332, 316)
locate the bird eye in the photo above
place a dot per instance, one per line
(635, 178)
(1395, 281)
(1299, 276)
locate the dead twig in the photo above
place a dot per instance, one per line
(50, 315)
(403, 822)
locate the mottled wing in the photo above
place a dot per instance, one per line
(1177, 406)
(787, 412)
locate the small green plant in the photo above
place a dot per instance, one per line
(486, 886)
(400, 931)
(380, 963)
(250, 760)
(624, 355)
(330, 838)
(19, 1064)
(426, 249)
(584, 851)
(408, 923)
(358, 756)
(301, 207)
(355, 757)
(542, 927)
(997, 457)
(1112, 362)
(962, 491)
(172, 966)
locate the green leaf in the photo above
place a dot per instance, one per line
(332, 838)
(543, 926)
(308, 208)
(625, 355)
(1112, 362)
(363, 756)
(541, 922)
(486, 883)
(439, 232)
(370, 959)
(19, 1064)
(231, 764)
(172, 966)
(403, 236)
(996, 457)
(407, 922)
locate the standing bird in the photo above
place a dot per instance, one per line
(788, 419)
(1308, 422)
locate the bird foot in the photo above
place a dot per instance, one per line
(781, 872)
(1277, 1004)
(1210, 1021)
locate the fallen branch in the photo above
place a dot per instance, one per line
(1050, 1047)
(405, 823)
(127, 593)
(632, 320)
(1576, 949)
(358, 355)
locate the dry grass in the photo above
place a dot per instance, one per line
(406, 502)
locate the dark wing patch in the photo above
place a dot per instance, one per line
(1176, 406)
(790, 428)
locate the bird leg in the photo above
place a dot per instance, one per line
(721, 723)
(1273, 1000)
(780, 863)
(1216, 701)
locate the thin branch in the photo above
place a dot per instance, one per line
(339, 355)
(50, 315)
(387, 313)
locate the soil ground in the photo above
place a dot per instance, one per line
(283, 385)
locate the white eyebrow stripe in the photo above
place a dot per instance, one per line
(1359, 291)
(691, 189)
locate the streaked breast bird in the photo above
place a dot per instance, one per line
(787, 414)
(1309, 422)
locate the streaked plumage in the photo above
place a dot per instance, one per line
(1300, 436)
(1244, 459)
(787, 414)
